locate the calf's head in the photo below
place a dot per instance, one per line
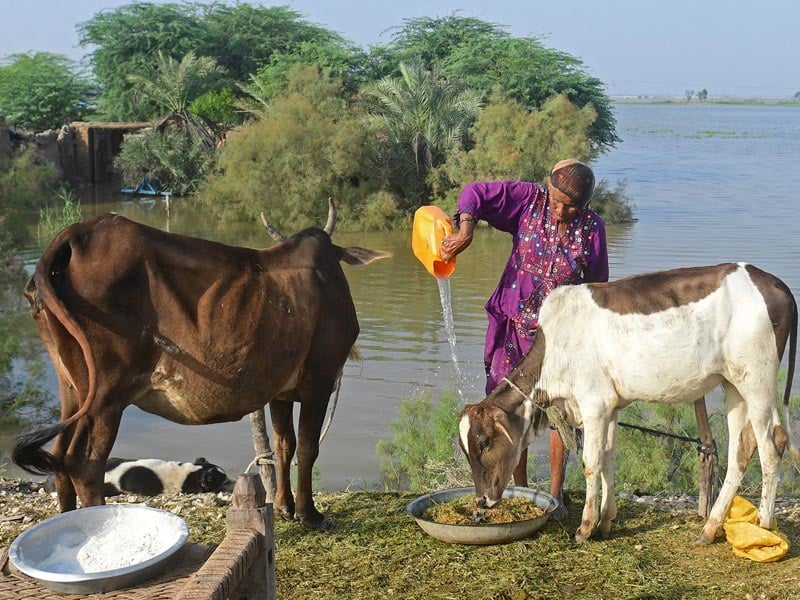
(491, 438)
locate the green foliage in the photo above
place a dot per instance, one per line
(243, 38)
(424, 436)
(423, 119)
(485, 56)
(22, 398)
(175, 159)
(305, 147)
(613, 204)
(53, 219)
(42, 91)
(433, 40)
(24, 185)
(651, 464)
(334, 59)
(217, 107)
(125, 41)
(171, 84)
(240, 38)
(511, 142)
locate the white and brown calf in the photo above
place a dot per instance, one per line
(670, 336)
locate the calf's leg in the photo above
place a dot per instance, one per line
(767, 428)
(595, 435)
(739, 452)
(608, 503)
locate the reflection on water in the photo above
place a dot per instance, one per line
(710, 184)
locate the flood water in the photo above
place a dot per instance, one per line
(710, 184)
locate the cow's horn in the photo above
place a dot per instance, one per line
(331, 218)
(504, 431)
(273, 232)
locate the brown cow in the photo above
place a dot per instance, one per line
(195, 331)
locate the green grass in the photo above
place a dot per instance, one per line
(378, 551)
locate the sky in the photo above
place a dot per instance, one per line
(736, 48)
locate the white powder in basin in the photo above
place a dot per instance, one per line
(117, 543)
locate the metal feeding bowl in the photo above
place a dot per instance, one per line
(481, 534)
(99, 548)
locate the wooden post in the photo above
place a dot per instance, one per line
(250, 511)
(707, 494)
(258, 423)
(242, 567)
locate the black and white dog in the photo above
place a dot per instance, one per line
(153, 476)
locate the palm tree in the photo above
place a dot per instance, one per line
(173, 85)
(423, 118)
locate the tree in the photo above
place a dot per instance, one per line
(432, 41)
(702, 95)
(345, 63)
(423, 118)
(484, 55)
(126, 41)
(245, 38)
(181, 152)
(43, 91)
(689, 94)
(171, 84)
(241, 39)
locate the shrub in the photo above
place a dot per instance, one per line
(307, 146)
(174, 159)
(423, 453)
(613, 204)
(52, 219)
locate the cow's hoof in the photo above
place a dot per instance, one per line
(284, 513)
(703, 540)
(583, 533)
(318, 522)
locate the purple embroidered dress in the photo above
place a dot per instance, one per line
(539, 262)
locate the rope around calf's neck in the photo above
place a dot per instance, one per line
(554, 415)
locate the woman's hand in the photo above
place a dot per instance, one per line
(456, 243)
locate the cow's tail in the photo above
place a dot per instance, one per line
(793, 451)
(28, 453)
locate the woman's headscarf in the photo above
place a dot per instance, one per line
(575, 179)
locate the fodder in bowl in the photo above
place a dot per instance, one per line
(475, 531)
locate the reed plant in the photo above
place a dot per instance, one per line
(65, 211)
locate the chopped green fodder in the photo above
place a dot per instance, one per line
(463, 511)
(377, 551)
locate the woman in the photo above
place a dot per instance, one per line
(557, 240)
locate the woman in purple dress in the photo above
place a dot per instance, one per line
(557, 240)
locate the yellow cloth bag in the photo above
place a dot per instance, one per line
(748, 539)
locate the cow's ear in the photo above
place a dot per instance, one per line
(200, 461)
(498, 423)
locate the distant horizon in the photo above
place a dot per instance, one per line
(711, 96)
